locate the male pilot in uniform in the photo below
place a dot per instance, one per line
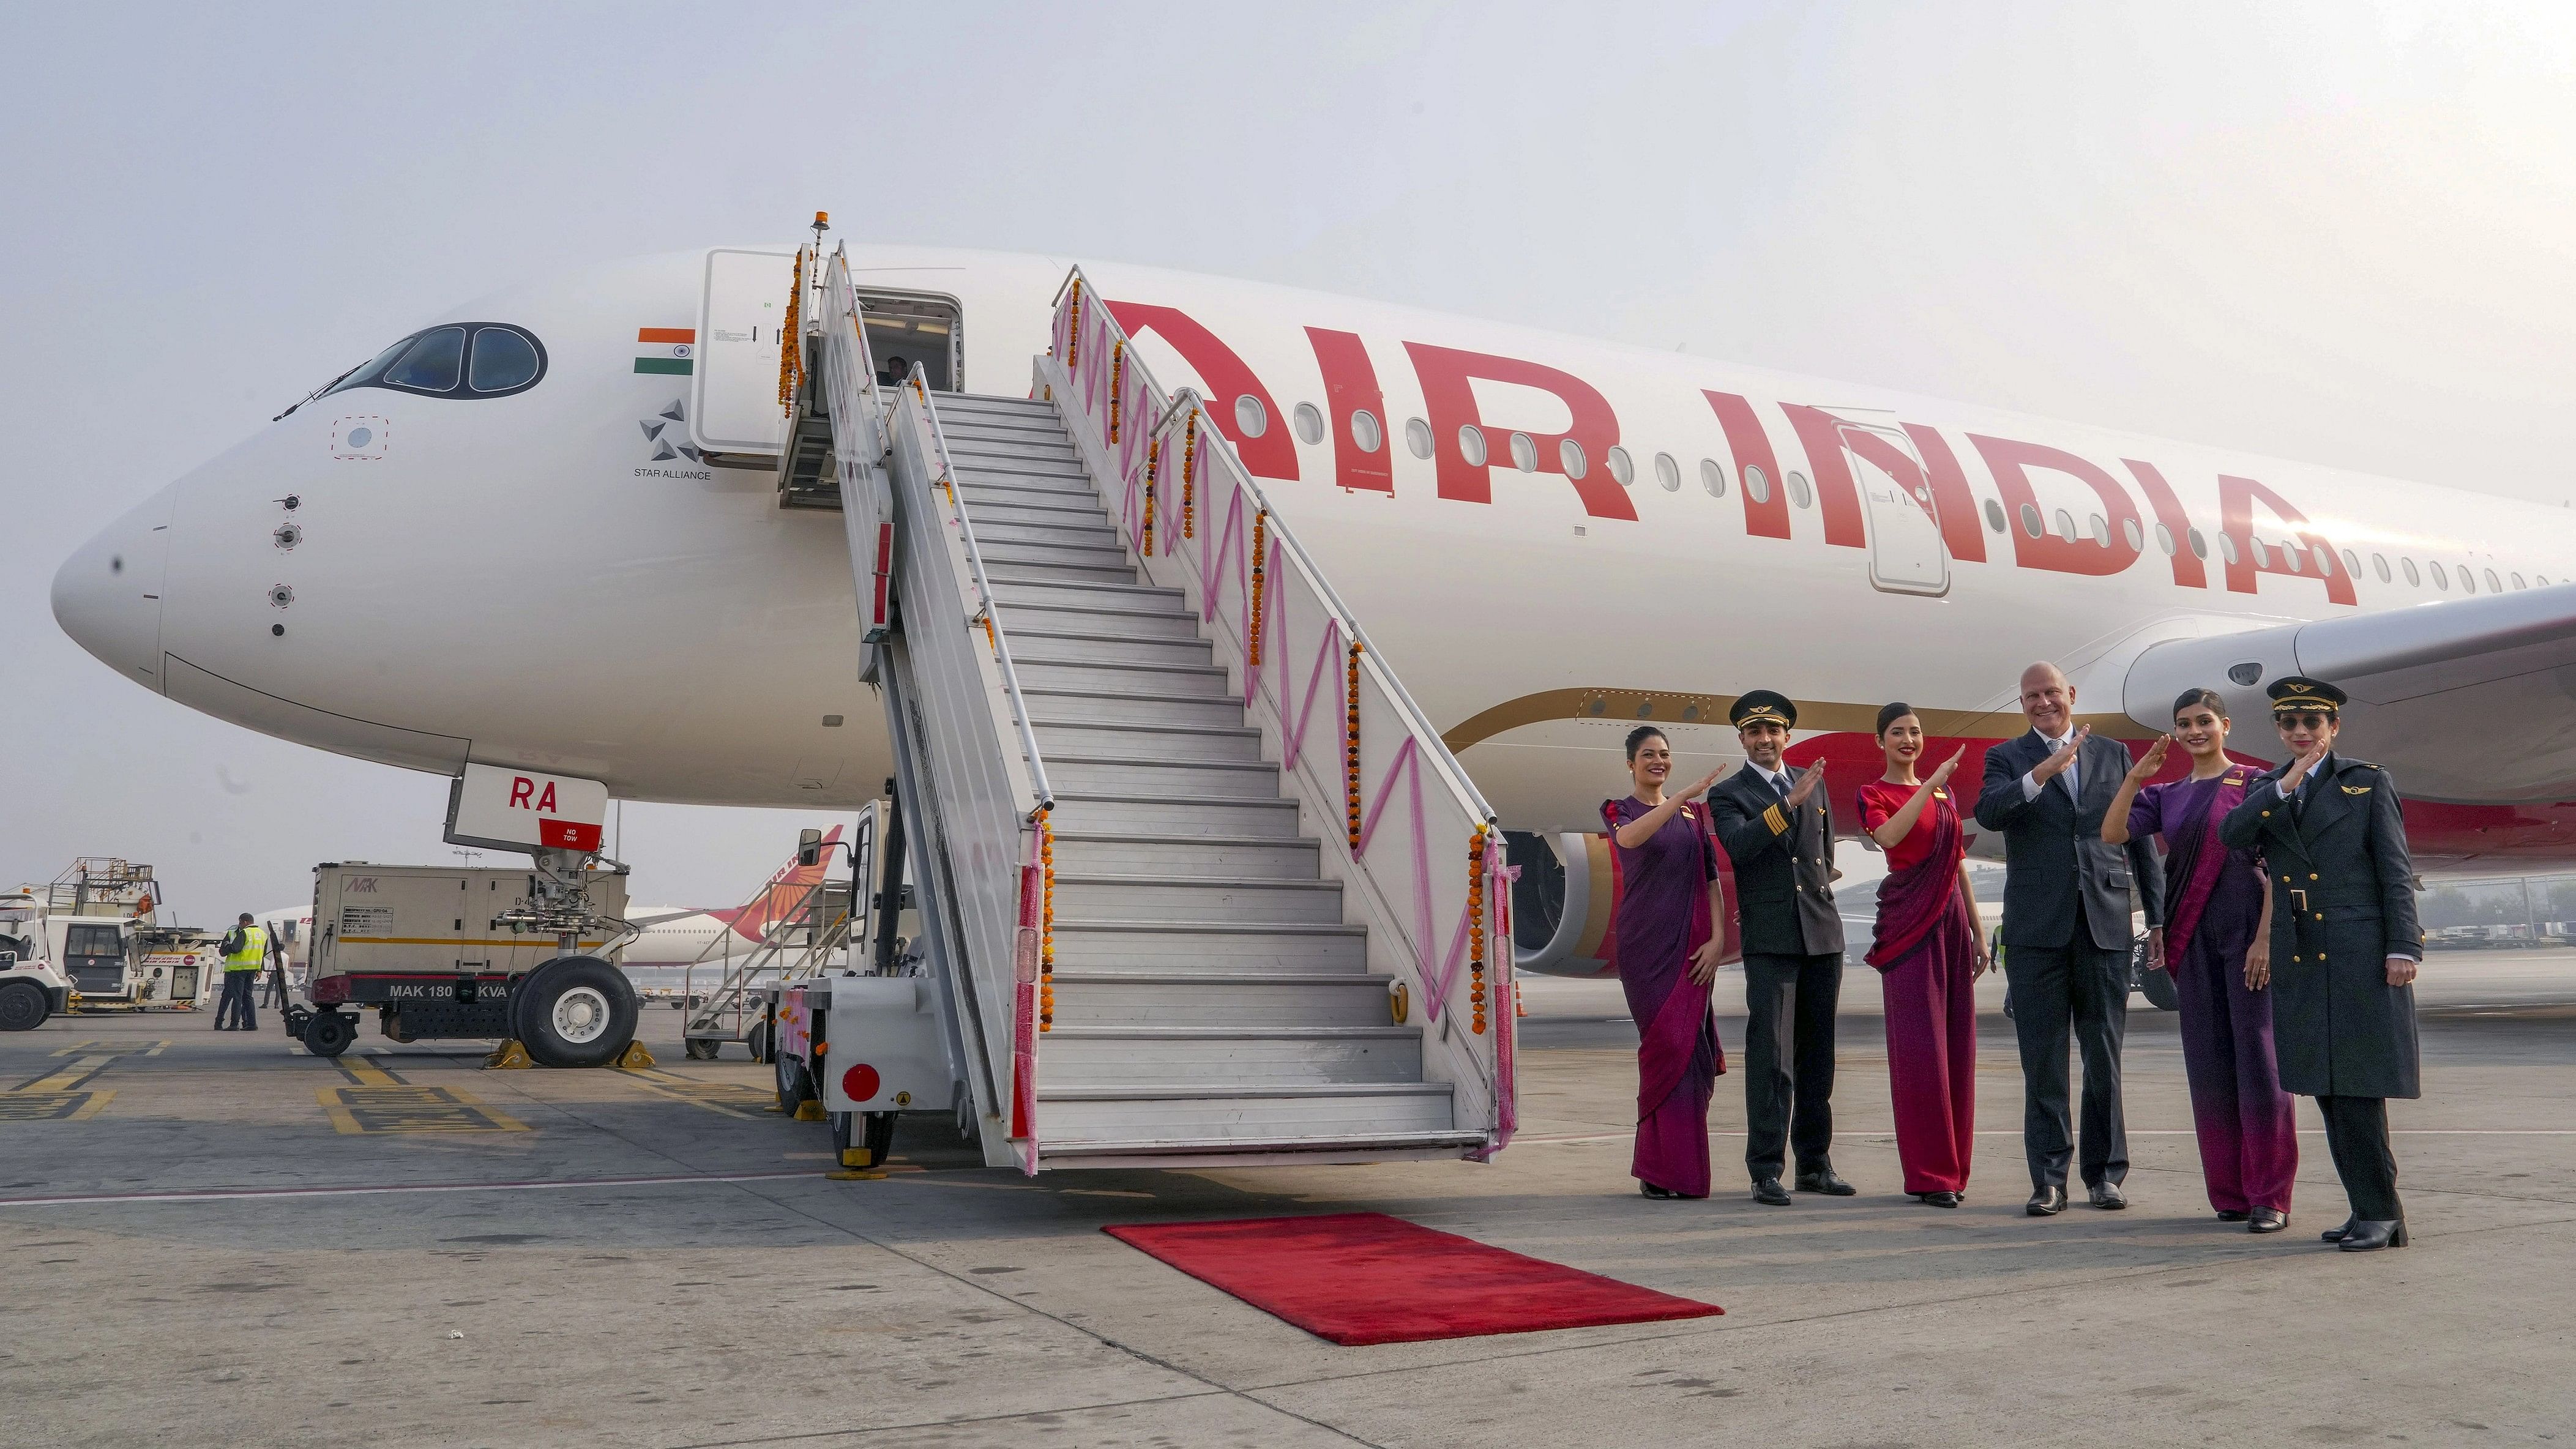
(2345, 946)
(1778, 830)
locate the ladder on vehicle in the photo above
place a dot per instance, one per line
(1199, 881)
(806, 937)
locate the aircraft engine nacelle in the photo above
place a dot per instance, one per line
(1564, 903)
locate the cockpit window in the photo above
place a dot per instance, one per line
(504, 361)
(460, 360)
(433, 364)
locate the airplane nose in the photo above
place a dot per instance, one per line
(107, 595)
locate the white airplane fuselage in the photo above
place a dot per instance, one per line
(519, 580)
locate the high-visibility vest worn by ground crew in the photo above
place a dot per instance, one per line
(250, 952)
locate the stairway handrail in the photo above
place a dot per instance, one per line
(988, 613)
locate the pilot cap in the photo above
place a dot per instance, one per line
(1761, 705)
(2292, 693)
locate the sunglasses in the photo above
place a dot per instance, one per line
(2306, 719)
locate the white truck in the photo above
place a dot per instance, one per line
(441, 951)
(93, 940)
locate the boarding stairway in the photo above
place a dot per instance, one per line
(1142, 873)
(810, 933)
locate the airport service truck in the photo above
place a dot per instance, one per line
(93, 940)
(439, 951)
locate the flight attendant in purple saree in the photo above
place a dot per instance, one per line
(1928, 954)
(2218, 947)
(1669, 945)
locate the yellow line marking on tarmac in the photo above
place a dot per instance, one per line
(71, 1076)
(377, 1101)
(726, 1099)
(57, 1096)
(115, 1049)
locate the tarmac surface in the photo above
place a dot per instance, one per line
(214, 1239)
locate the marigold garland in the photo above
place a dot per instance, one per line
(1073, 330)
(1153, 473)
(1117, 376)
(1189, 474)
(1046, 922)
(1260, 574)
(1476, 930)
(1351, 746)
(791, 354)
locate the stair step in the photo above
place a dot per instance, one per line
(1049, 554)
(1165, 1124)
(990, 425)
(1053, 571)
(1025, 473)
(1040, 670)
(1167, 814)
(1240, 744)
(1097, 619)
(993, 402)
(1063, 489)
(1110, 647)
(1014, 587)
(1253, 1151)
(1128, 775)
(967, 451)
(1210, 947)
(1136, 707)
(1197, 898)
(1140, 1058)
(1037, 515)
(1014, 530)
(1241, 857)
(1218, 998)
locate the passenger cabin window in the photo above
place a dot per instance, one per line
(2227, 547)
(1569, 459)
(2517, 581)
(1524, 453)
(1250, 418)
(1798, 492)
(2030, 519)
(1417, 436)
(1365, 431)
(2199, 544)
(2493, 587)
(2137, 540)
(2379, 566)
(1994, 516)
(1757, 484)
(460, 360)
(2351, 563)
(2441, 576)
(1669, 474)
(1309, 421)
(1620, 467)
(1471, 444)
(2165, 540)
(2413, 579)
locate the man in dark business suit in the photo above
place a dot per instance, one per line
(2066, 932)
(1778, 830)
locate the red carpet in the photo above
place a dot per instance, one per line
(1359, 1278)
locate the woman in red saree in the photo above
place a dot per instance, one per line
(1929, 956)
(1668, 949)
(2217, 944)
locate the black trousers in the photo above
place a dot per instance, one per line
(234, 1007)
(2357, 1135)
(2082, 985)
(1789, 1059)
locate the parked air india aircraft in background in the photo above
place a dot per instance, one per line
(543, 532)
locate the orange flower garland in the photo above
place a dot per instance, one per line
(1351, 747)
(1476, 930)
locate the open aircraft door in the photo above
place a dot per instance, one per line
(1906, 555)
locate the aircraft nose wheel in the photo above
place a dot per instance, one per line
(576, 1011)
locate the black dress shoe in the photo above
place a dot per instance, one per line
(1660, 1194)
(2231, 1215)
(2266, 1220)
(2107, 1196)
(2336, 1235)
(2367, 1236)
(2046, 1202)
(1824, 1180)
(1770, 1193)
(1939, 1199)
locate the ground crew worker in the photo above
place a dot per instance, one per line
(2345, 946)
(245, 951)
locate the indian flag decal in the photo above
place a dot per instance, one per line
(670, 350)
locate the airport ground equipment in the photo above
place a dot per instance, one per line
(1199, 882)
(96, 939)
(440, 951)
(810, 927)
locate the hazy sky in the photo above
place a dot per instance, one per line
(2337, 232)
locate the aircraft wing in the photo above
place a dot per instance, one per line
(2468, 700)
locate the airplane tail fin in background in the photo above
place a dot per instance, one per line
(752, 919)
